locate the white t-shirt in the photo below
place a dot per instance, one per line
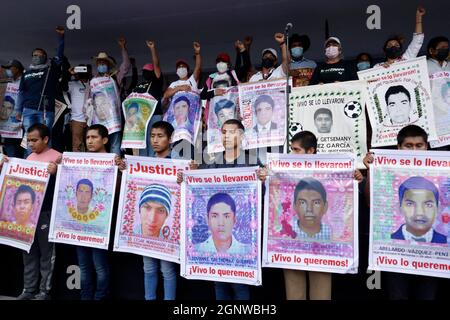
(190, 82)
(277, 73)
(76, 91)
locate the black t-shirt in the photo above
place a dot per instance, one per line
(156, 90)
(329, 73)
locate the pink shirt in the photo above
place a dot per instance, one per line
(49, 155)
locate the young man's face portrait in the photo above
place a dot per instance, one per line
(221, 220)
(84, 196)
(323, 122)
(420, 209)
(23, 207)
(224, 115)
(153, 216)
(310, 208)
(180, 111)
(398, 108)
(264, 113)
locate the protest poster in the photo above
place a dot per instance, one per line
(334, 113)
(104, 104)
(221, 109)
(184, 113)
(440, 93)
(221, 225)
(398, 96)
(263, 113)
(83, 199)
(60, 107)
(138, 109)
(410, 212)
(9, 126)
(23, 189)
(312, 213)
(148, 221)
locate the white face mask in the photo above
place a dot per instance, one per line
(332, 52)
(222, 67)
(182, 72)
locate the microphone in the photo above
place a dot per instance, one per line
(288, 27)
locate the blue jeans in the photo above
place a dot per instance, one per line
(148, 151)
(232, 291)
(115, 140)
(93, 260)
(31, 116)
(151, 278)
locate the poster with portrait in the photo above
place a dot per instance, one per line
(334, 113)
(9, 126)
(221, 225)
(184, 113)
(312, 213)
(440, 93)
(410, 212)
(398, 96)
(221, 109)
(83, 199)
(103, 105)
(138, 109)
(23, 186)
(148, 221)
(263, 113)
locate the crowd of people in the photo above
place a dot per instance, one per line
(48, 80)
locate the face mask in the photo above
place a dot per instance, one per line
(363, 65)
(332, 52)
(297, 52)
(182, 72)
(37, 60)
(222, 67)
(9, 73)
(148, 75)
(102, 68)
(442, 54)
(267, 63)
(393, 52)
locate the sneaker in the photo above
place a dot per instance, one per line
(42, 296)
(26, 296)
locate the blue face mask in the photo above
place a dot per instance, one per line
(102, 68)
(9, 73)
(363, 65)
(297, 52)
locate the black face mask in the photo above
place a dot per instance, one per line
(393, 52)
(148, 75)
(267, 63)
(442, 54)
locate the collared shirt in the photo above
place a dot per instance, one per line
(434, 66)
(274, 74)
(427, 237)
(324, 233)
(235, 248)
(264, 129)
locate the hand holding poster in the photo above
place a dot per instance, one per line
(440, 92)
(138, 108)
(220, 230)
(148, 222)
(23, 189)
(221, 109)
(334, 113)
(410, 212)
(184, 114)
(398, 96)
(312, 220)
(103, 105)
(263, 113)
(9, 126)
(83, 200)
